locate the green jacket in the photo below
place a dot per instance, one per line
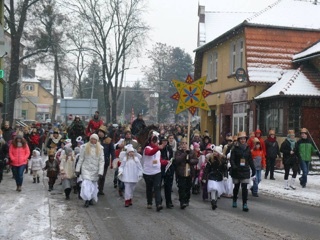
(305, 148)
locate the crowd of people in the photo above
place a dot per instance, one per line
(80, 157)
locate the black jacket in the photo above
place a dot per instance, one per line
(289, 159)
(215, 170)
(238, 170)
(272, 149)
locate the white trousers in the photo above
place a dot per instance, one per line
(128, 190)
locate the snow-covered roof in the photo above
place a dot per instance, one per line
(31, 80)
(220, 18)
(289, 14)
(217, 23)
(235, 5)
(313, 50)
(292, 83)
(265, 75)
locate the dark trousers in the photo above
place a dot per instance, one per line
(153, 183)
(287, 167)
(184, 188)
(18, 174)
(167, 185)
(244, 192)
(52, 181)
(270, 167)
(103, 179)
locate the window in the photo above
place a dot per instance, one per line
(236, 55)
(239, 117)
(294, 115)
(274, 120)
(24, 114)
(28, 87)
(271, 116)
(212, 66)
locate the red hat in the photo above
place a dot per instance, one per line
(38, 124)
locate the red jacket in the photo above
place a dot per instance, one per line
(93, 126)
(19, 155)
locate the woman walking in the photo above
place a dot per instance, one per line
(19, 152)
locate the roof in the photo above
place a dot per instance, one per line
(289, 14)
(31, 80)
(308, 52)
(300, 82)
(278, 14)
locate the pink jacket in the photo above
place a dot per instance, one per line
(19, 155)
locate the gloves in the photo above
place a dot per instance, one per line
(225, 179)
(77, 174)
(100, 176)
(187, 160)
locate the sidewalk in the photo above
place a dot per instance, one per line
(309, 195)
(35, 213)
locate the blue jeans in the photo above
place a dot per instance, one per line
(256, 181)
(18, 174)
(304, 165)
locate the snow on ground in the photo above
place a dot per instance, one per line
(36, 214)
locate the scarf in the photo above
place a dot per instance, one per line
(270, 139)
(292, 142)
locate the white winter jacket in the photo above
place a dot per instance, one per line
(90, 165)
(36, 163)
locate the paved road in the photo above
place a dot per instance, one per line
(268, 218)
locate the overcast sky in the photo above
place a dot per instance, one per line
(174, 22)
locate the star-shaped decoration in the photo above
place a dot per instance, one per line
(191, 95)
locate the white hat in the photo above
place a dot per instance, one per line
(218, 149)
(115, 125)
(68, 140)
(94, 136)
(129, 148)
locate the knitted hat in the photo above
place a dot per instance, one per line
(94, 136)
(218, 149)
(129, 148)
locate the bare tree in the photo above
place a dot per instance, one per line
(117, 32)
(16, 13)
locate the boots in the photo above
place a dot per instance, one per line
(213, 204)
(34, 180)
(245, 207)
(127, 203)
(286, 184)
(67, 191)
(38, 179)
(292, 184)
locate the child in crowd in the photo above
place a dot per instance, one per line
(130, 172)
(259, 163)
(215, 172)
(208, 151)
(52, 167)
(35, 165)
(67, 171)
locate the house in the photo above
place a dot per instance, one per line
(35, 101)
(280, 88)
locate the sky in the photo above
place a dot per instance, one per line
(174, 22)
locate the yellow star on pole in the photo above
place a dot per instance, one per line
(191, 95)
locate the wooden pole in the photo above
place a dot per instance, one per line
(189, 128)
